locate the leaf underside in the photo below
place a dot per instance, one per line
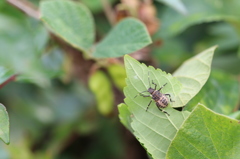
(193, 74)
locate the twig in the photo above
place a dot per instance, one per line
(12, 78)
(26, 6)
(108, 11)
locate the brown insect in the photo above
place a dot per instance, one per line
(160, 99)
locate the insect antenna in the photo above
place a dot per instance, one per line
(149, 80)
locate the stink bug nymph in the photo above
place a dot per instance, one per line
(159, 98)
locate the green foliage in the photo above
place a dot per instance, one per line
(205, 134)
(169, 136)
(101, 87)
(64, 119)
(29, 39)
(95, 5)
(128, 36)
(193, 74)
(4, 124)
(175, 4)
(71, 21)
(220, 93)
(118, 74)
(198, 12)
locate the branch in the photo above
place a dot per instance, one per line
(12, 78)
(27, 7)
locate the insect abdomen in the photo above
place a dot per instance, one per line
(162, 102)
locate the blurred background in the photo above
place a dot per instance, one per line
(64, 106)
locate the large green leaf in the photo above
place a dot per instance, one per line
(206, 134)
(127, 36)
(147, 123)
(198, 12)
(193, 74)
(176, 4)
(71, 21)
(4, 124)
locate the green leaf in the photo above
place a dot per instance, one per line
(206, 134)
(125, 116)
(175, 4)
(144, 123)
(101, 87)
(4, 124)
(127, 36)
(138, 81)
(198, 12)
(118, 74)
(193, 74)
(71, 21)
(235, 115)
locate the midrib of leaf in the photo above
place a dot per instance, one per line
(209, 134)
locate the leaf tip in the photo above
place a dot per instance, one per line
(126, 58)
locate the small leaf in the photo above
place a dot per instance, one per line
(206, 134)
(176, 4)
(118, 74)
(101, 87)
(193, 74)
(125, 116)
(127, 36)
(71, 21)
(4, 124)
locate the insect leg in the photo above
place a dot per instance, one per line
(149, 104)
(169, 97)
(155, 85)
(162, 87)
(163, 111)
(142, 94)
